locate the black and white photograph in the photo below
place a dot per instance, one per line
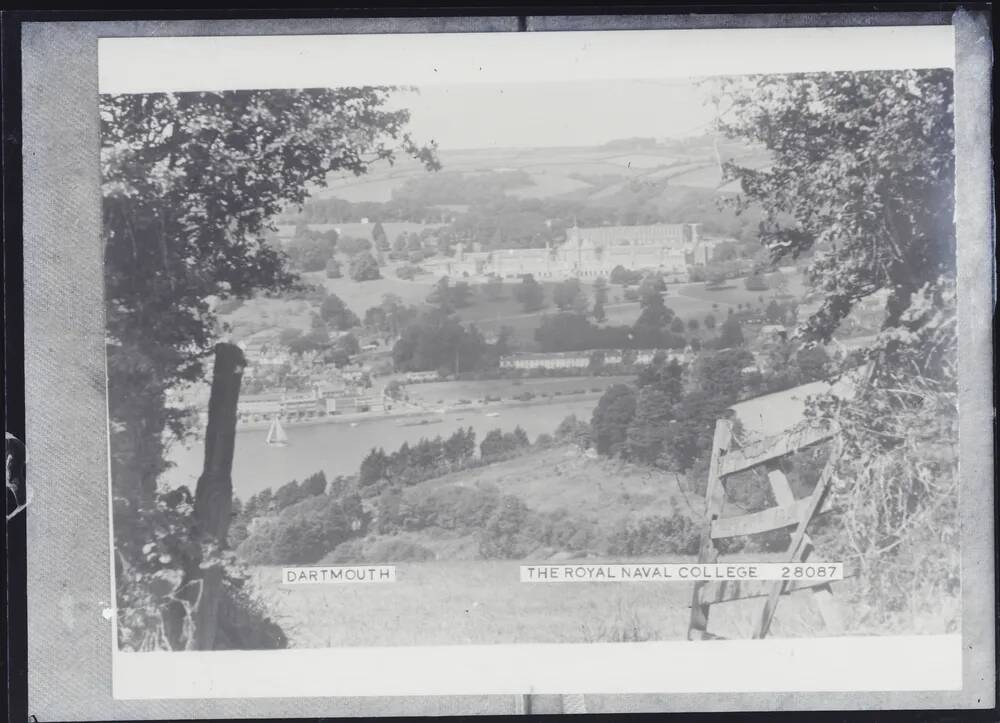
(532, 360)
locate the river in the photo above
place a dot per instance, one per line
(338, 448)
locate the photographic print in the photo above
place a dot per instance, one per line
(396, 364)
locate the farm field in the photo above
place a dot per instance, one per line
(483, 602)
(261, 313)
(551, 169)
(360, 230)
(360, 296)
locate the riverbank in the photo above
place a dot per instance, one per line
(458, 397)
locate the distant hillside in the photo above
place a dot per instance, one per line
(553, 172)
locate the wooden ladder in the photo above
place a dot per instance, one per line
(788, 513)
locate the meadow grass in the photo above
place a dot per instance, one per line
(483, 602)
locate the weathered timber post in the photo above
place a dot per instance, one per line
(213, 502)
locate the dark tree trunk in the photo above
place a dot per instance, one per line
(214, 495)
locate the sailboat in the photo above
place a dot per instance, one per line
(276, 436)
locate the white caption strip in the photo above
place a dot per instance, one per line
(683, 572)
(318, 575)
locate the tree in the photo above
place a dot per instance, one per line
(677, 325)
(379, 237)
(645, 432)
(720, 374)
(862, 175)
(438, 341)
(565, 293)
(611, 418)
(693, 324)
(333, 268)
(461, 295)
(730, 333)
(493, 288)
(335, 312)
(654, 320)
(315, 484)
(600, 299)
(364, 267)
(709, 322)
(530, 294)
(309, 250)
(774, 313)
(624, 277)
(183, 220)
(353, 246)
(315, 340)
(373, 467)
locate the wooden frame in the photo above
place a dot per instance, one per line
(789, 512)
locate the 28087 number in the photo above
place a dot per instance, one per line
(801, 572)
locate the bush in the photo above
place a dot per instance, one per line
(448, 508)
(656, 535)
(391, 550)
(349, 552)
(503, 536)
(407, 272)
(244, 623)
(305, 531)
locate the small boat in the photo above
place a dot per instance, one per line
(276, 436)
(354, 424)
(493, 414)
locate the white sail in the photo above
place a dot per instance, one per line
(276, 436)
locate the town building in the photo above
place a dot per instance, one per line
(584, 359)
(587, 253)
(419, 377)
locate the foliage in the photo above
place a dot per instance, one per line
(569, 331)
(502, 537)
(624, 277)
(306, 530)
(426, 459)
(408, 272)
(730, 333)
(438, 341)
(188, 193)
(159, 563)
(530, 294)
(574, 430)
(450, 296)
(364, 267)
(333, 269)
(379, 237)
(600, 299)
(498, 445)
(568, 294)
(611, 418)
(310, 250)
(493, 289)
(862, 174)
(335, 313)
(676, 534)
(391, 316)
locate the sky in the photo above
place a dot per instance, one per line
(579, 113)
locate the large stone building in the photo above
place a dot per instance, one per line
(587, 253)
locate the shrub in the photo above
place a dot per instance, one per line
(305, 531)
(349, 552)
(503, 537)
(656, 535)
(392, 550)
